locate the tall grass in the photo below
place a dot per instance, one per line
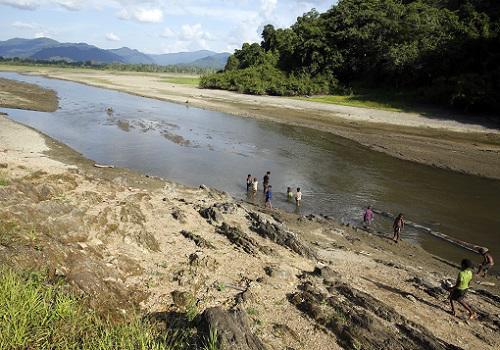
(4, 181)
(35, 314)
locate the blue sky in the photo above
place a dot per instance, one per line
(152, 26)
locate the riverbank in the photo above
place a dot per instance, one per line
(16, 94)
(435, 140)
(126, 240)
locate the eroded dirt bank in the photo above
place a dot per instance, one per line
(435, 140)
(124, 240)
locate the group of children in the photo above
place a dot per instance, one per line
(253, 187)
(397, 226)
(459, 290)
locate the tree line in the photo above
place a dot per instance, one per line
(443, 51)
(147, 68)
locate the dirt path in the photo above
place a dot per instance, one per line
(444, 143)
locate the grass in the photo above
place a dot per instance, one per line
(186, 80)
(36, 314)
(376, 99)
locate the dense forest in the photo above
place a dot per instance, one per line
(147, 68)
(443, 51)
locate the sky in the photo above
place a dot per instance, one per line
(151, 26)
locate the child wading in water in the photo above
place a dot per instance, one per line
(460, 289)
(289, 194)
(487, 262)
(368, 216)
(398, 226)
(269, 196)
(249, 182)
(298, 197)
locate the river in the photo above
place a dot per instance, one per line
(338, 177)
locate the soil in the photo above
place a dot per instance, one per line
(128, 241)
(433, 138)
(16, 94)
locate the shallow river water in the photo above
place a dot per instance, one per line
(338, 177)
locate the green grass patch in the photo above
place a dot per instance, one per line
(36, 314)
(364, 101)
(186, 80)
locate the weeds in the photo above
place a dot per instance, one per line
(4, 181)
(212, 341)
(38, 315)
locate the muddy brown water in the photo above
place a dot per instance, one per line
(338, 177)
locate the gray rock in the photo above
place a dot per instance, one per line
(232, 327)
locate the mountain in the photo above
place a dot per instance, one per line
(217, 61)
(77, 53)
(181, 57)
(24, 48)
(48, 49)
(133, 56)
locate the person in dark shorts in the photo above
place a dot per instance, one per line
(459, 291)
(269, 196)
(398, 226)
(487, 262)
(249, 182)
(266, 180)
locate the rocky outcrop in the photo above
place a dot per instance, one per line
(361, 321)
(197, 239)
(241, 239)
(278, 234)
(233, 329)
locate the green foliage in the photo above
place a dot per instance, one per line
(213, 340)
(39, 315)
(445, 51)
(116, 67)
(193, 80)
(4, 181)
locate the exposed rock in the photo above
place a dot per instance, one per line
(214, 213)
(279, 235)
(360, 321)
(198, 240)
(232, 327)
(178, 215)
(241, 239)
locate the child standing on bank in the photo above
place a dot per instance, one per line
(459, 291)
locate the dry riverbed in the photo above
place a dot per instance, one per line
(266, 279)
(437, 140)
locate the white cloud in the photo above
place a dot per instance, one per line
(167, 33)
(268, 6)
(112, 37)
(21, 4)
(23, 25)
(142, 14)
(43, 34)
(72, 5)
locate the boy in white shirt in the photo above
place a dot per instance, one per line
(298, 197)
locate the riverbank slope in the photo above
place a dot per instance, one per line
(434, 139)
(124, 240)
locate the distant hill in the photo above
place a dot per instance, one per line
(48, 49)
(133, 56)
(217, 61)
(181, 57)
(24, 48)
(78, 53)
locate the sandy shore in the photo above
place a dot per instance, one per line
(434, 140)
(126, 240)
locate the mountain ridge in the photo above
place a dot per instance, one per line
(49, 49)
